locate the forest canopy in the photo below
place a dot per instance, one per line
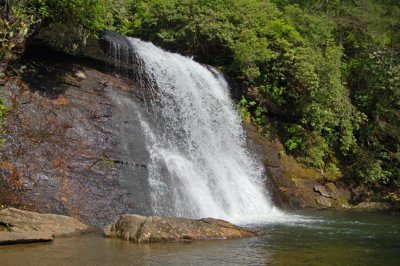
(326, 73)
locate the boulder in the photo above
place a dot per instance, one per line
(323, 191)
(7, 238)
(143, 229)
(324, 202)
(15, 220)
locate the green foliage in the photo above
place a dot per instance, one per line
(244, 110)
(21, 18)
(328, 72)
(256, 114)
(15, 24)
(332, 172)
(368, 31)
(296, 57)
(193, 27)
(375, 79)
(3, 111)
(93, 14)
(295, 137)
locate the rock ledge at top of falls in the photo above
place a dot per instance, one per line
(19, 221)
(150, 229)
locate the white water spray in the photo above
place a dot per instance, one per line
(200, 166)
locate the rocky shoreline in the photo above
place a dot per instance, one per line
(19, 226)
(297, 186)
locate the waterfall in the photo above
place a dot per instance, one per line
(199, 163)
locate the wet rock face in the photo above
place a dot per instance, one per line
(15, 220)
(292, 184)
(142, 229)
(110, 40)
(64, 149)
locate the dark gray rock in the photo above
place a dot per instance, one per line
(66, 150)
(111, 41)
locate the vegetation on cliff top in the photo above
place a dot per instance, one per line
(327, 72)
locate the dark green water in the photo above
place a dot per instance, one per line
(323, 238)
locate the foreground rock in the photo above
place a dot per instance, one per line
(7, 238)
(15, 220)
(142, 229)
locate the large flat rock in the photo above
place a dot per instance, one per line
(15, 220)
(142, 229)
(7, 238)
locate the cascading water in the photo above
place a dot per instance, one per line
(199, 165)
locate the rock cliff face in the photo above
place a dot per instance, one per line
(293, 184)
(63, 150)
